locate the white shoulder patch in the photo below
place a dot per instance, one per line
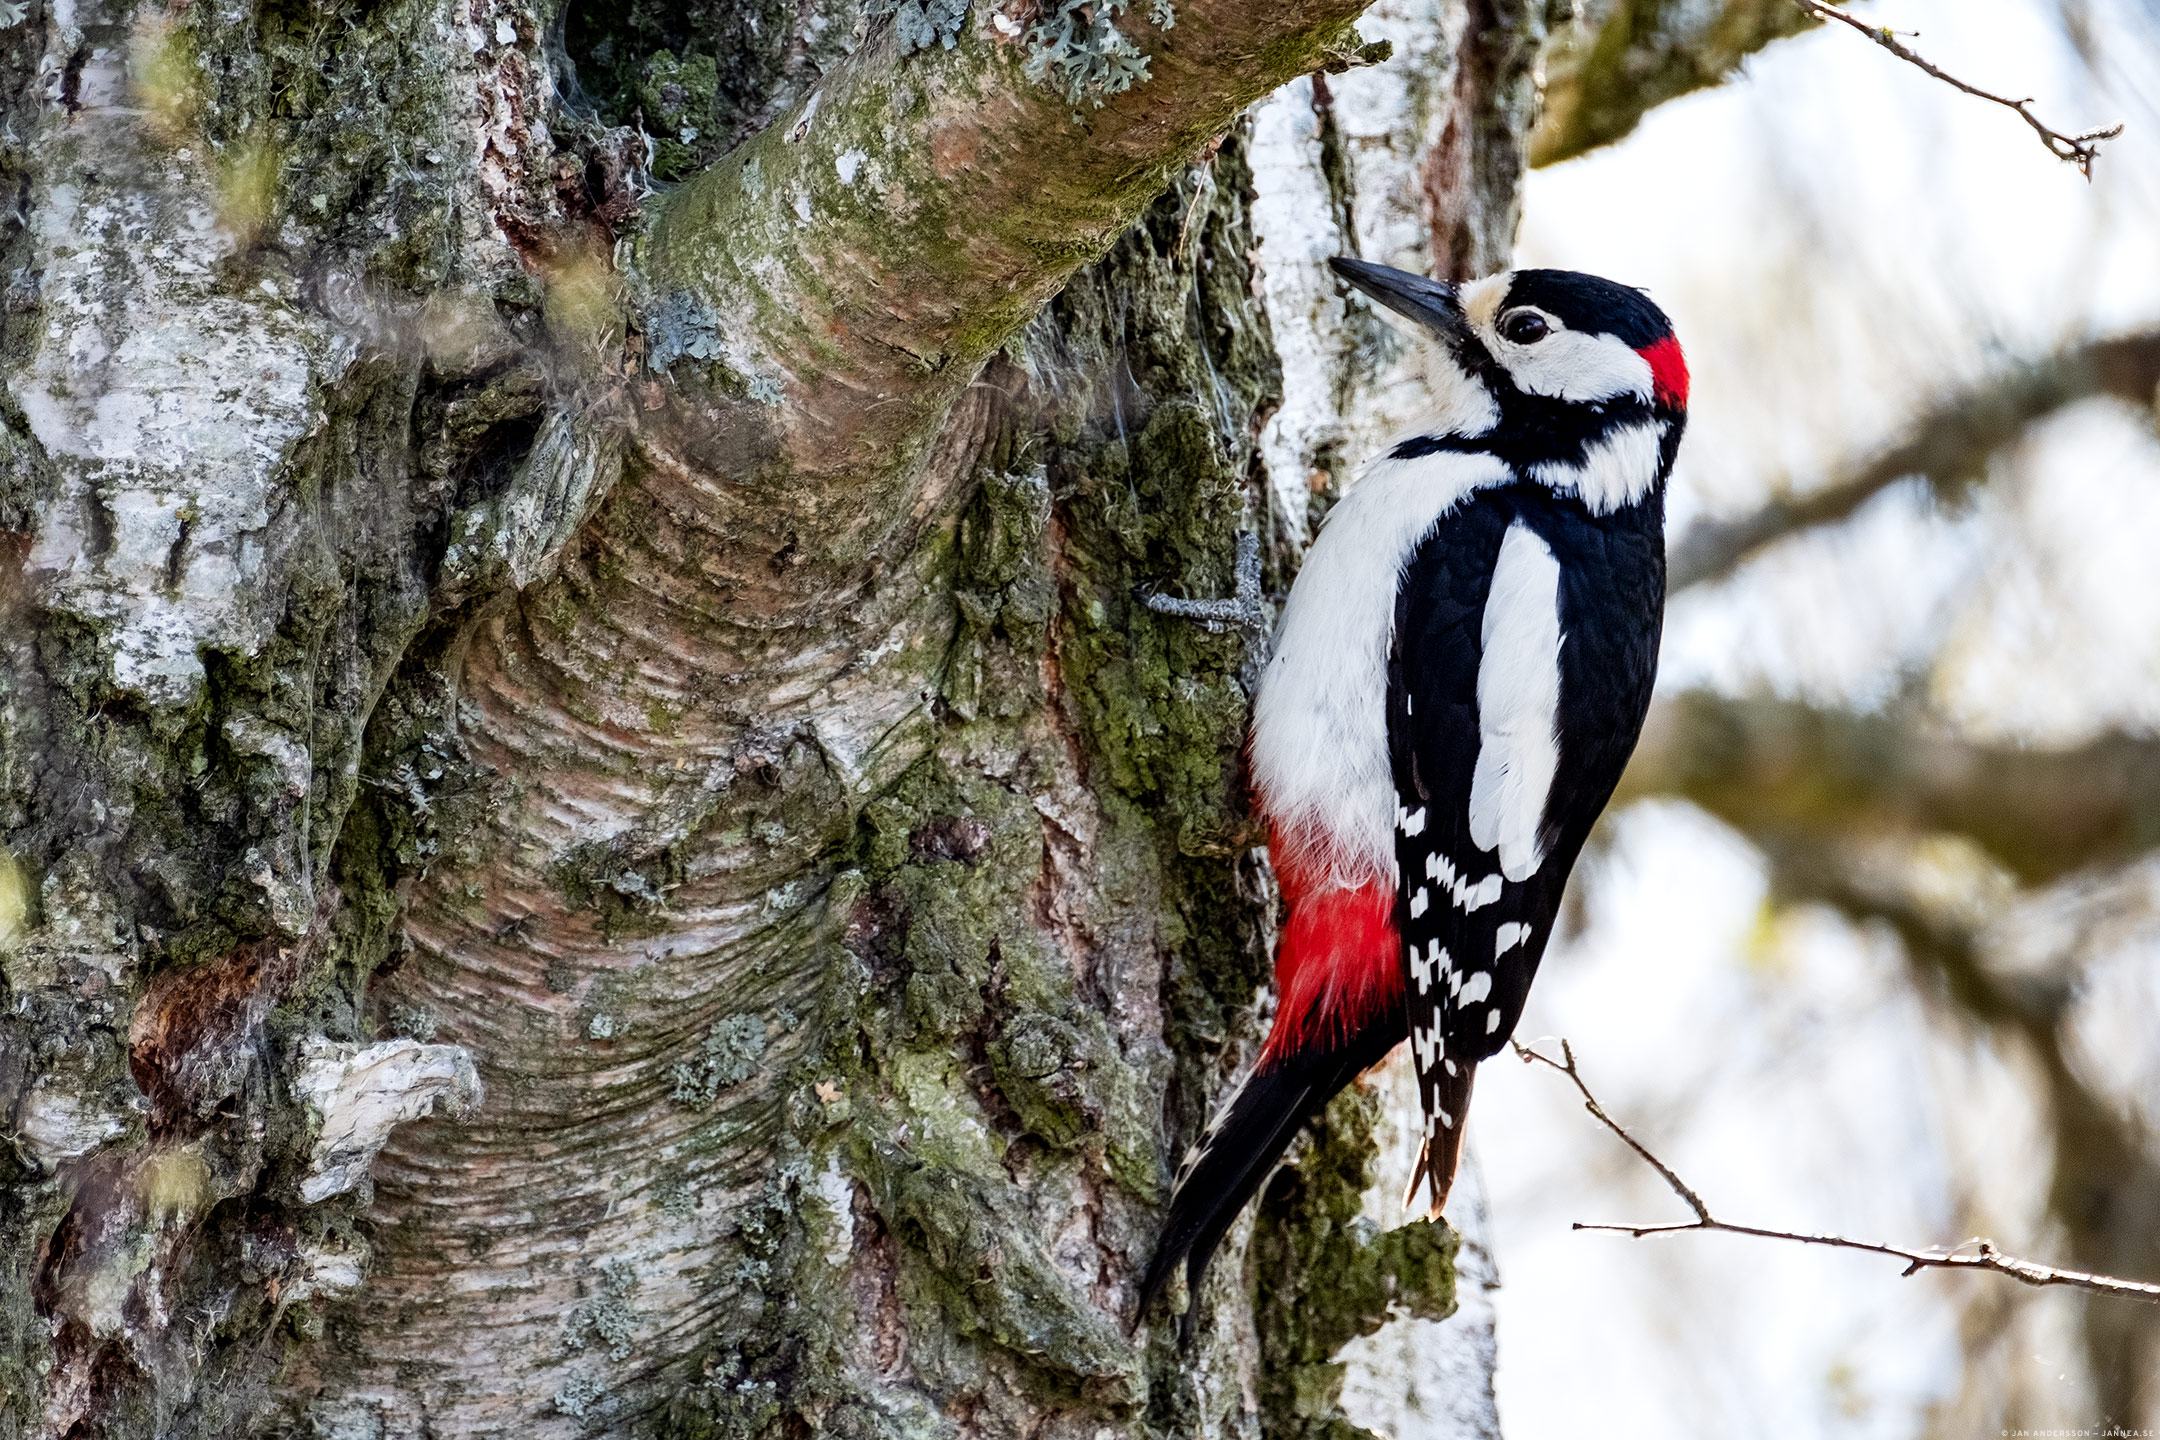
(1616, 472)
(1319, 731)
(1518, 694)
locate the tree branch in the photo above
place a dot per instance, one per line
(1983, 1255)
(853, 265)
(1615, 62)
(1948, 447)
(1787, 769)
(2080, 149)
(2104, 1193)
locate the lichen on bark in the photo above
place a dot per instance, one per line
(709, 696)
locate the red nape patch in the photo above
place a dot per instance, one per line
(1668, 372)
(1337, 965)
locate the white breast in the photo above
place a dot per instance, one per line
(1319, 742)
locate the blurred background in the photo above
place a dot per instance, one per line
(1872, 942)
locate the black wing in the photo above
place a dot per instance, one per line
(1471, 937)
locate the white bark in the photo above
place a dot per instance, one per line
(1344, 396)
(1350, 383)
(358, 1096)
(315, 729)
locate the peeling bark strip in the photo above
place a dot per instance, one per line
(357, 1097)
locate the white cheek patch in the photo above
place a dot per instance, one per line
(1518, 694)
(1616, 472)
(1569, 365)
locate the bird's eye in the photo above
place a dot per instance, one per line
(1524, 327)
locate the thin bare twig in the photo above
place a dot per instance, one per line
(1981, 1256)
(2080, 149)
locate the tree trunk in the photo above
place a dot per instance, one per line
(660, 681)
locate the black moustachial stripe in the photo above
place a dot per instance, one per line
(1536, 430)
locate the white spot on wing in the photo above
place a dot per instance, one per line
(1414, 822)
(1508, 936)
(1492, 1021)
(1477, 987)
(1419, 902)
(1425, 1044)
(1518, 692)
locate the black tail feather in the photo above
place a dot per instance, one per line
(1447, 1109)
(1243, 1141)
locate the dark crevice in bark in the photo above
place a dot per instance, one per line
(1473, 175)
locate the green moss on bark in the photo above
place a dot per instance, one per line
(716, 69)
(1324, 1275)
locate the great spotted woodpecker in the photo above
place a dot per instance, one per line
(1460, 673)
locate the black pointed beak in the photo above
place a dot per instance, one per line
(1433, 304)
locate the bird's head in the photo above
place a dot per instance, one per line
(1559, 334)
(1577, 381)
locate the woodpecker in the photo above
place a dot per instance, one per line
(1461, 671)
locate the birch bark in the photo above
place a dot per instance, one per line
(596, 837)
